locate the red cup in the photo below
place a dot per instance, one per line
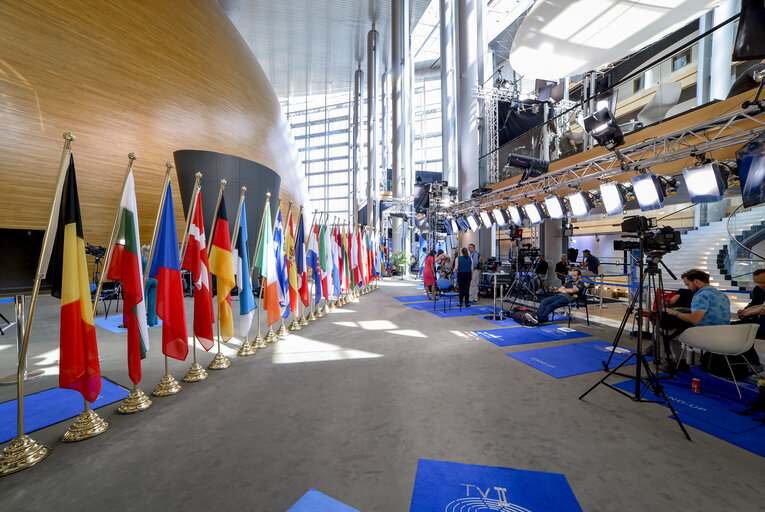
(695, 385)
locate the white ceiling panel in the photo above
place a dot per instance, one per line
(313, 46)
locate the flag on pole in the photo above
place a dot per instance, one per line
(281, 267)
(323, 260)
(335, 262)
(78, 360)
(347, 259)
(313, 261)
(246, 297)
(222, 267)
(125, 267)
(266, 262)
(195, 261)
(300, 263)
(354, 248)
(292, 275)
(341, 261)
(166, 269)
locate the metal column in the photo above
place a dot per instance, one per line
(357, 86)
(372, 189)
(448, 92)
(400, 99)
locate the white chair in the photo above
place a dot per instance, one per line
(726, 340)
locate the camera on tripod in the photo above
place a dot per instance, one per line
(97, 251)
(643, 234)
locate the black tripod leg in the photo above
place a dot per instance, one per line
(658, 389)
(602, 381)
(620, 331)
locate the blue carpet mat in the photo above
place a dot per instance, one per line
(710, 410)
(112, 324)
(574, 359)
(315, 501)
(455, 311)
(509, 322)
(424, 306)
(412, 298)
(525, 335)
(453, 487)
(51, 406)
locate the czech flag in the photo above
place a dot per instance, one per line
(78, 361)
(222, 267)
(166, 269)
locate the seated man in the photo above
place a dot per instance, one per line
(754, 312)
(566, 293)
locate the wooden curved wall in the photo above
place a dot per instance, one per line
(148, 76)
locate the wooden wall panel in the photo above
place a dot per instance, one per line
(148, 76)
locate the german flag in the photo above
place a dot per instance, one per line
(222, 266)
(78, 367)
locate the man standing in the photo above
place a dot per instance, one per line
(566, 293)
(591, 263)
(475, 257)
(561, 269)
(541, 270)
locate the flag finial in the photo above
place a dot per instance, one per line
(132, 156)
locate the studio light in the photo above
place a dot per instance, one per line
(486, 218)
(531, 167)
(705, 183)
(500, 216)
(515, 214)
(448, 227)
(580, 204)
(614, 196)
(603, 127)
(473, 222)
(454, 225)
(533, 212)
(463, 224)
(648, 191)
(555, 207)
(751, 171)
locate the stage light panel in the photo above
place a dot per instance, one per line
(648, 191)
(515, 214)
(463, 224)
(705, 183)
(472, 221)
(454, 225)
(533, 212)
(486, 219)
(499, 216)
(448, 227)
(555, 207)
(613, 198)
(580, 204)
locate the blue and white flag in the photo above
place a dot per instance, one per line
(282, 279)
(242, 267)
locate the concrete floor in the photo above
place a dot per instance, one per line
(348, 405)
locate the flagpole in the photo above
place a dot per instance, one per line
(271, 336)
(215, 215)
(295, 325)
(23, 451)
(332, 305)
(283, 332)
(137, 400)
(317, 310)
(302, 320)
(246, 348)
(196, 372)
(311, 284)
(325, 309)
(259, 341)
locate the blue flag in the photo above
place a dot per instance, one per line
(246, 297)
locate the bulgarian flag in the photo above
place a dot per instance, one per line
(125, 267)
(222, 267)
(166, 269)
(78, 361)
(292, 274)
(265, 260)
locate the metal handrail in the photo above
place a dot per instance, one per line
(733, 237)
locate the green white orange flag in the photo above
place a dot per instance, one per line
(265, 260)
(125, 267)
(78, 360)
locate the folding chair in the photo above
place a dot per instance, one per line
(580, 300)
(445, 288)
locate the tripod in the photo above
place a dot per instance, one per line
(652, 274)
(522, 284)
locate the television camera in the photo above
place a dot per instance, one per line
(98, 251)
(644, 234)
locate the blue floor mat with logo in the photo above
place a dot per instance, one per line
(315, 501)
(525, 335)
(573, 359)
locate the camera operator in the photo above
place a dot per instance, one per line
(566, 293)
(561, 268)
(540, 269)
(591, 263)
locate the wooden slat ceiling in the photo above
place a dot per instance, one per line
(313, 46)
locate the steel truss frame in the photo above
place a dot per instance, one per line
(638, 157)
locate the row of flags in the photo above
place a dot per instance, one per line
(340, 259)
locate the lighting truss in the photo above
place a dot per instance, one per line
(717, 133)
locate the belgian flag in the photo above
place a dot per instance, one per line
(78, 367)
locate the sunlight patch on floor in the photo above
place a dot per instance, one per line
(346, 324)
(459, 333)
(413, 333)
(377, 325)
(297, 349)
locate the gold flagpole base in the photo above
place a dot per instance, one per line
(271, 336)
(246, 349)
(23, 452)
(295, 325)
(311, 316)
(136, 401)
(326, 309)
(260, 342)
(303, 321)
(167, 386)
(88, 424)
(333, 305)
(219, 362)
(319, 313)
(283, 332)
(195, 373)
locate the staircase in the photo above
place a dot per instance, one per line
(701, 249)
